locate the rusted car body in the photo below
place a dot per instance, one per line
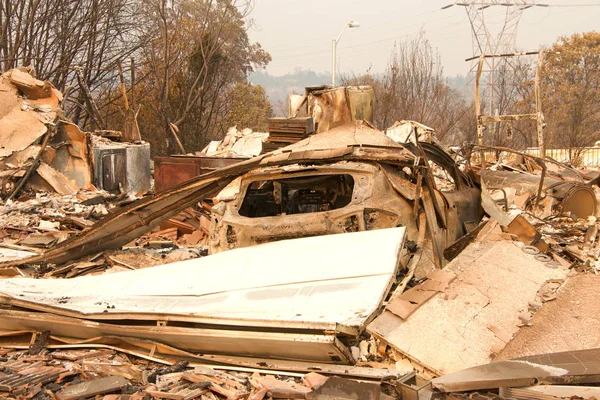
(329, 196)
(276, 203)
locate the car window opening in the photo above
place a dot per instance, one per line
(301, 195)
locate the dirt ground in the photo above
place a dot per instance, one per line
(570, 322)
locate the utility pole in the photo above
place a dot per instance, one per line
(538, 105)
(494, 51)
(538, 116)
(493, 38)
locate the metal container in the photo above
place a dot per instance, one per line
(170, 171)
(122, 167)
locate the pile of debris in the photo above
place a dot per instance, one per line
(29, 112)
(236, 144)
(285, 131)
(40, 151)
(32, 226)
(49, 368)
(52, 174)
(49, 219)
(284, 306)
(549, 206)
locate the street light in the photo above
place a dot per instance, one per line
(334, 43)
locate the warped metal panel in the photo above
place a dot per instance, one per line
(317, 282)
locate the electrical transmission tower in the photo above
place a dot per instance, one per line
(494, 52)
(494, 38)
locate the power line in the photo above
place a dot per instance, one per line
(294, 56)
(377, 44)
(322, 39)
(369, 50)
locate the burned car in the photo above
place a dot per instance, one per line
(275, 203)
(327, 195)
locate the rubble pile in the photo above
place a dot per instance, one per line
(47, 370)
(572, 241)
(29, 227)
(550, 207)
(236, 144)
(49, 218)
(351, 263)
(36, 150)
(41, 151)
(285, 131)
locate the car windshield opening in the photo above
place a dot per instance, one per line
(302, 195)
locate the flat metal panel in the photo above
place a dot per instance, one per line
(138, 168)
(457, 328)
(168, 174)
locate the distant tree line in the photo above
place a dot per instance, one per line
(414, 87)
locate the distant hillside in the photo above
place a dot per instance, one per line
(459, 83)
(278, 87)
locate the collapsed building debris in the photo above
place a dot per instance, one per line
(67, 159)
(236, 144)
(285, 292)
(29, 112)
(558, 197)
(32, 226)
(465, 317)
(546, 204)
(324, 298)
(134, 369)
(404, 132)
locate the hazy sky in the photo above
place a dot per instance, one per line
(298, 33)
